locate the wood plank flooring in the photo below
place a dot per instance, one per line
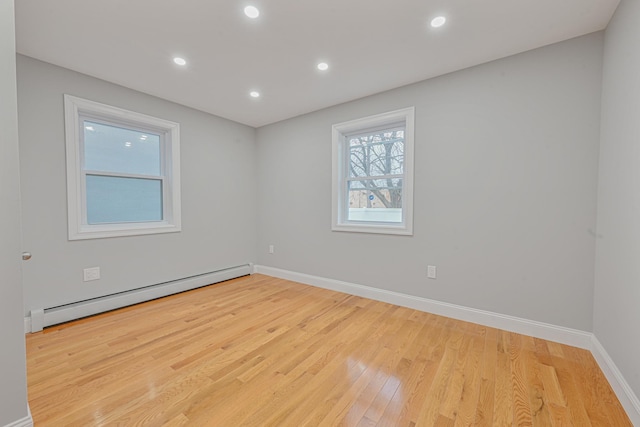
(260, 351)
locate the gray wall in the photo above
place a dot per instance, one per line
(505, 189)
(13, 383)
(218, 160)
(505, 194)
(617, 278)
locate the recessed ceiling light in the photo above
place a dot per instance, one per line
(179, 61)
(254, 94)
(438, 21)
(323, 66)
(127, 144)
(252, 12)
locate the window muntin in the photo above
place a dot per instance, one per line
(373, 174)
(122, 171)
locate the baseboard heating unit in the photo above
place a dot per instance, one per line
(42, 317)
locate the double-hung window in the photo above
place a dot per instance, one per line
(122, 171)
(373, 174)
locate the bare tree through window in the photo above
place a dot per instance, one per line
(372, 180)
(376, 167)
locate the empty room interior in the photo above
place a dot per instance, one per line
(320, 213)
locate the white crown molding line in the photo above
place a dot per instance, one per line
(568, 336)
(627, 397)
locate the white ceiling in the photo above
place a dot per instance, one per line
(370, 45)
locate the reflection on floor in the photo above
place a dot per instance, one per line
(260, 351)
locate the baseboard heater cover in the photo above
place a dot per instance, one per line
(41, 318)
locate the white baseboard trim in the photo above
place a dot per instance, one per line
(573, 337)
(568, 336)
(532, 328)
(626, 396)
(65, 313)
(22, 422)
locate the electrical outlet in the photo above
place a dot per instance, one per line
(431, 271)
(92, 273)
(271, 249)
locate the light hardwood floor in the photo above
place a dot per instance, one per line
(260, 351)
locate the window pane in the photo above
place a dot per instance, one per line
(377, 200)
(115, 149)
(115, 199)
(377, 153)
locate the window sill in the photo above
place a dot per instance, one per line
(401, 230)
(122, 230)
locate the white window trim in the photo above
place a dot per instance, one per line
(75, 108)
(339, 162)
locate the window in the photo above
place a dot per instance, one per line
(373, 174)
(122, 171)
